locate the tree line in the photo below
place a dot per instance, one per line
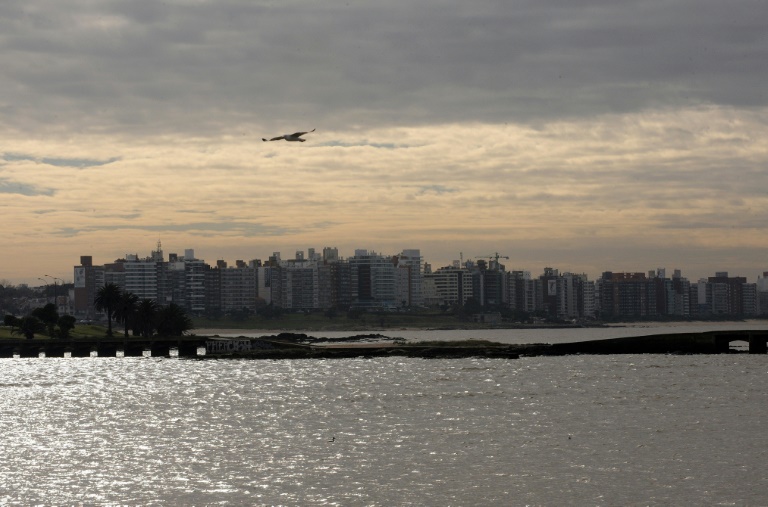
(42, 320)
(141, 317)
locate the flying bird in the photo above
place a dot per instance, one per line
(296, 136)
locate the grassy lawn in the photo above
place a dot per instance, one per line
(80, 331)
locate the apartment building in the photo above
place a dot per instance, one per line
(409, 278)
(627, 295)
(447, 286)
(521, 291)
(368, 280)
(231, 288)
(373, 280)
(180, 280)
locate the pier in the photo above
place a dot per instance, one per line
(103, 347)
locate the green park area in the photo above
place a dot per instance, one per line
(79, 331)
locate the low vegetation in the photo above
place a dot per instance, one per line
(138, 317)
(78, 332)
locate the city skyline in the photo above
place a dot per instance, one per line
(303, 255)
(583, 136)
(369, 280)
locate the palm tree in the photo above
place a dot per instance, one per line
(107, 299)
(146, 312)
(172, 320)
(125, 311)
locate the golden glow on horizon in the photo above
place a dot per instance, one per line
(626, 193)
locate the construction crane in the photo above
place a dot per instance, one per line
(495, 257)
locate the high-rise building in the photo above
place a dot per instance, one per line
(448, 286)
(627, 295)
(372, 280)
(409, 278)
(194, 281)
(488, 284)
(724, 294)
(141, 277)
(330, 254)
(521, 291)
(750, 301)
(88, 278)
(299, 286)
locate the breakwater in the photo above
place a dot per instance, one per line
(302, 346)
(283, 346)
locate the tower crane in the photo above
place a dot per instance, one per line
(495, 257)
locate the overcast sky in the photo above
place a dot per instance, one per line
(581, 135)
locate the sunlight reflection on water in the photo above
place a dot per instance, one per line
(613, 430)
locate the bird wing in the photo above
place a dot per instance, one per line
(299, 134)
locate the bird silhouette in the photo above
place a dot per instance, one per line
(296, 136)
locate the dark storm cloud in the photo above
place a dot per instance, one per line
(147, 67)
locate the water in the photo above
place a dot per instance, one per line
(574, 430)
(521, 336)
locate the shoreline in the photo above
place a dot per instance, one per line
(303, 346)
(512, 327)
(294, 323)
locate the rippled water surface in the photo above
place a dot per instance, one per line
(524, 335)
(578, 430)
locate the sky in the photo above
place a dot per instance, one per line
(583, 135)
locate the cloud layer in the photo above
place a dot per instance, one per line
(585, 135)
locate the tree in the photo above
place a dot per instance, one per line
(172, 320)
(28, 326)
(125, 311)
(66, 324)
(48, 316)
(12, 321)
(107, 299)
(146, 313)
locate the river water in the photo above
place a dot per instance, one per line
(572, 430)
(520, 336)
